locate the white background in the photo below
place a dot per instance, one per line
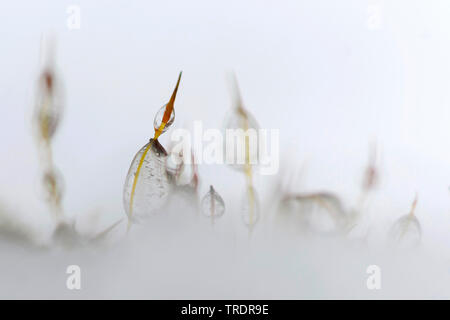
(313, 69)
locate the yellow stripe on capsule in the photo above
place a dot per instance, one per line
(136, 176)
(166, 118)
(138, 170)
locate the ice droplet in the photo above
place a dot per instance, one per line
(147, 185)
(212, 204)
(159, 117)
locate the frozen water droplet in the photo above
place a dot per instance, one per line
(250, 208)
(147, 185)
(159, 117)
(212, 204)
(406, 231)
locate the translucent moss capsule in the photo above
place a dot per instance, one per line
(49, 105)
(250, 208)
(212, 204)
(159, 117)
(406, 231)
(240, 118)
(147, 185)
(321, 212)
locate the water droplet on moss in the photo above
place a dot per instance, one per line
(159, 117)
(153, 184)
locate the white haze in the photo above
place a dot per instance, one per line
(312, 69)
